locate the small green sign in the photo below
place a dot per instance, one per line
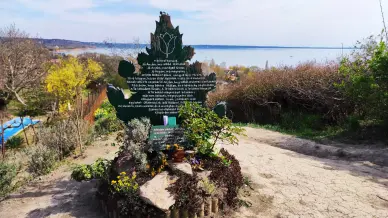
(160, 136)
(171, 121)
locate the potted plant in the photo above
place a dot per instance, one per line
(179, 154)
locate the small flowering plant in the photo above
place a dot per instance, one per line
(99, 113)
(225, 161)
(124, 183)
(173, 150)
(159, 166)
(196, 163)
(174, 147)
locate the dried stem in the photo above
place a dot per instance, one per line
(385, 27)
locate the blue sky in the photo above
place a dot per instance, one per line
(230, 22)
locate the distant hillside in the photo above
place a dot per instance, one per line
(64, 44)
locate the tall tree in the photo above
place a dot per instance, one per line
(22, 62)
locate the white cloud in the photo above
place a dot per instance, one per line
(248, 22)
(188, 5)
(57, 6)
(283, 22)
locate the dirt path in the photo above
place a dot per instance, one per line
(55, 195)
(289, 184)
(285, 183)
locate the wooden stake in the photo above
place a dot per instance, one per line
(2, 139)
(24, 130)
(193, 215)
(175, 213)
(208, 206)
(202, 212)
(185, 213)
(215, 205)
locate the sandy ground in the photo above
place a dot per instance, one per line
(289, 184)
(285, 184)
(55, 195)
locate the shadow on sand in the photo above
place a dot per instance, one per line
(68, 198)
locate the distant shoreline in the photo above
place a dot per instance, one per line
(63, 44)
(218, 47)
(73, 49)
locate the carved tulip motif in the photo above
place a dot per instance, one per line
(168, 41)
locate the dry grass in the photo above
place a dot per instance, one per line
(306, 88)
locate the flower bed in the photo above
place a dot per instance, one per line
(173, 182)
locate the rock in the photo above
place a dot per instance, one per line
(204, 174)
(124, 163)
(220, 109)
(154, 191)
(189, 152)
(182, 167)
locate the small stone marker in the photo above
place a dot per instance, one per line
(181, 167)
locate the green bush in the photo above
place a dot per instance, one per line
(203, 127)
(352, 123)
(14, 142)
(42, 160)
(82, 172)
(97, 170)
(7, 175)
(104, 110)
(300, 121)
(108, 124)
(106, 119)
(107, 106)
(100, 168)
(365, 79)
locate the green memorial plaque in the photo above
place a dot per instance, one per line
(160, 136)
(165, 80)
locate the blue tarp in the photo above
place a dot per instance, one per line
(15, 123)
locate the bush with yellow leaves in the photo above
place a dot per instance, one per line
(124, 183)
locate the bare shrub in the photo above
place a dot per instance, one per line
(42, 160)
(8, 173)
(21, 64)
(63, 136)
(263, 96)
(135, 141)
(138, 129)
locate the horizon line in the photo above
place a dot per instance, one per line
(246, 46)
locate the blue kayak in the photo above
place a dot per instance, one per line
(15, 127)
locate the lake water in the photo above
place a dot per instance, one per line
(251, 56)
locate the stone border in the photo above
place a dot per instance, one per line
(210, 208)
